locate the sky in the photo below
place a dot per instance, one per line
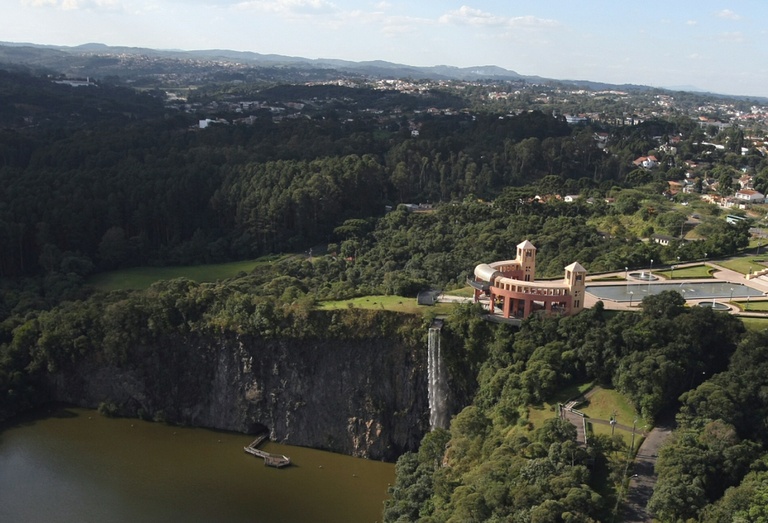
(708, 45)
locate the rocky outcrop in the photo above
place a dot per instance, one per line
(364, 397)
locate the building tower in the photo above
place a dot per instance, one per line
(576, 280)
(526, 257)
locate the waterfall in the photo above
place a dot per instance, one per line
(436, 389)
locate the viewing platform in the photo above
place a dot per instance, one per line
(270, 460)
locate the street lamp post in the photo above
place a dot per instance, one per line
(747, 307)
(631, 448)
(626, 273)
(650, 277)
(731, 298)
(630, 297)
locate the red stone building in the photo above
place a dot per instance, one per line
(512, 287)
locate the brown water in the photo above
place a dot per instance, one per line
(78, 466)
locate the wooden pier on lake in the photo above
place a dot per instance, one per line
(270, 460)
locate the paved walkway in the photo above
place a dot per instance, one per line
(644, 476)
(578, 422)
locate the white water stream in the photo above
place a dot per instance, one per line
(436, 391)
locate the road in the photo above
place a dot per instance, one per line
(644, 477)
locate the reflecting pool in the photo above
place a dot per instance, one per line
(635, 292)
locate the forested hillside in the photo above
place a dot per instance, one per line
(111, 178)
(495, 466)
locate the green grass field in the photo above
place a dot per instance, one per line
(685, 273)
(139, 278)
(755, 324)
(464, 292)
(387, 303)
(745, 264)
(601, 405)
(752, 306)
(608, 278)
(538, 414)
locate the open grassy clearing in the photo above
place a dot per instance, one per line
(603, 404)
(538, 414)
(464, 292)
(138, 278)
(387, 303)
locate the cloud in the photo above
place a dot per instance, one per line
(466, 15)
(728, 14)
(691, 22)
(73, 5)
(387, 24)
(295, 7)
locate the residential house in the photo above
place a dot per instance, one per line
(647, 162)
(750, 196)
(662, 239)
(745, 182)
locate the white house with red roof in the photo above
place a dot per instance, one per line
(750, 196)
(648, 162)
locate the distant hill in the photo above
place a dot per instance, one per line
(369, 68)
(77, 59)
(132, 63)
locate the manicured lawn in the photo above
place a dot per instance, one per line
(744, 264)
(389, 303)
(754, 306)
(755, 324)
(608, 278)
(685, 273)
(138, 278)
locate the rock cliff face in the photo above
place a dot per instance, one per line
(363, 397)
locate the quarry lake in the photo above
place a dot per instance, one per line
(75, 465)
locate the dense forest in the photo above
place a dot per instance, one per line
(102, 177)
(497, 467)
